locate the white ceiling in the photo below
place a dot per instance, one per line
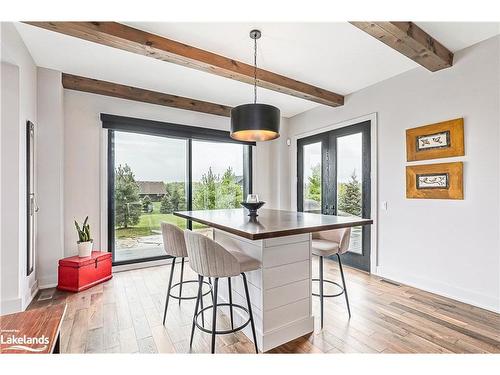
(459, 35)
(334, 56)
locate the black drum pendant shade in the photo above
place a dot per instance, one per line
(255, 122)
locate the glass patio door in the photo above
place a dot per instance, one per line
(218, 177)
(338, 182)
(151, 176)
(150, 183)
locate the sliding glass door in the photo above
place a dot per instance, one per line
(150, 182)
(150, 177)
(334, 179)
(218, 176)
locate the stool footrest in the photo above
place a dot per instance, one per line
(188, 282)
(330, 295)
(225, 332)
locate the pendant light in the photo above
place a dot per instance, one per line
(255, 121)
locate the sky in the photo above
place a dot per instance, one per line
(154, 158)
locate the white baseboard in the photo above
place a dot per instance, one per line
(30, 294)
(47, 282)
(289, 332)
(47, 286)
(11, 306)
(470, 297)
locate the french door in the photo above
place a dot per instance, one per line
(333, 178)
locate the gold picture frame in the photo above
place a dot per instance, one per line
(440, 140)
(435, 181)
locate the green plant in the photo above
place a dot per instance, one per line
(215, 191)
(350, 196)
(166, 206)
(313, 189)
(128, 207)
(84, 231)
(146, 201)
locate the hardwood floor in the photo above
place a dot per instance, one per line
(124, 315)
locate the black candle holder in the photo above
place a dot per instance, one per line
(252, 207)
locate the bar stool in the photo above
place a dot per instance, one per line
(209, 259)
(324, 244)
(175, 246)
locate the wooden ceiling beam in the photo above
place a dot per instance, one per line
(410, 40)
(127, 38)
(95, 86)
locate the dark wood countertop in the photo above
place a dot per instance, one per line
(270, 223)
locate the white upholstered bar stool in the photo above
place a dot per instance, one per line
(175, 246)
(325, 244)
(209, 259)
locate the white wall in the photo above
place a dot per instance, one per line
(271, 165)
(9, 257)
(445, 246)
(50, 163)
(18, 106)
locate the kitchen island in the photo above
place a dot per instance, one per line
(281, 290)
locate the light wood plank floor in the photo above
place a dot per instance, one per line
(125, 313)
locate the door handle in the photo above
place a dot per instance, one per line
(33, 206)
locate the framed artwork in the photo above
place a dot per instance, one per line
(440, 140)
(435, 181)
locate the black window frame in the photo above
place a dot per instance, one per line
(169, 130)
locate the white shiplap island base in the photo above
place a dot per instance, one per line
(280, 290)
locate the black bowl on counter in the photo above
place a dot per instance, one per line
(252, 207)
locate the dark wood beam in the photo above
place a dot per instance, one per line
(116, 90)
(410, 40)
(127, 38)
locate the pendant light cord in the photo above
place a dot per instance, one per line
(255, 71)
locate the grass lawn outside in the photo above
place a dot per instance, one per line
(151, 221)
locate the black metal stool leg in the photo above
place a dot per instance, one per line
(200, 292)
(214, 314)
(211, 289)
(168, 290)
(230, 291)
(201, 302)
(252, 324)
(180, 285)
(321, 288)
(343, 283)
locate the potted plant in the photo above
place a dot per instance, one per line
(84, 241)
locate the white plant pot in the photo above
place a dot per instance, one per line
(84, 249)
